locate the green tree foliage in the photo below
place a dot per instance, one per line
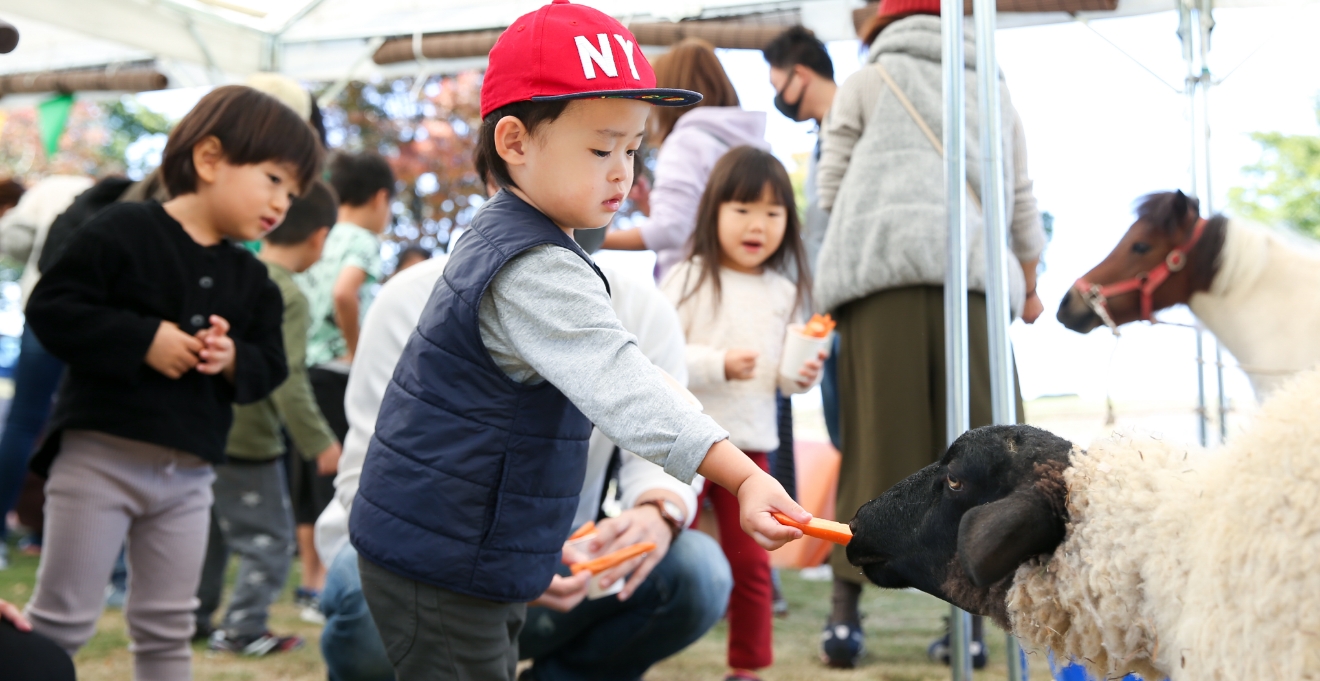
(1285, 182)
(127, 122)
(94, 142)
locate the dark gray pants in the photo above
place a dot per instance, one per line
(251, 517)
(438, 635)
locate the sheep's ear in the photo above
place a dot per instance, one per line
(995, 538)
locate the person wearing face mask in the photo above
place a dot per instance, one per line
(803, 77)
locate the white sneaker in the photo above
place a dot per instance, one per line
(312, 615)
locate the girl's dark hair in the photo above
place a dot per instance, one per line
(317, 207)
(532, 114)
(744, 174)
(252, 127)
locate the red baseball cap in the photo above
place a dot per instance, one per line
(567, 51)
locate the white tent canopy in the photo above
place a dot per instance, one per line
(198, 42)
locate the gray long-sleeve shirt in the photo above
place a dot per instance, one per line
(547, 317)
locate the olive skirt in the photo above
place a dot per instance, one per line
(892, 391)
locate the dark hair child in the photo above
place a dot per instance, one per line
(164, 323)
(339, 289)
(250, 516)
(735, 304)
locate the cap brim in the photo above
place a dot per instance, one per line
(656, 96)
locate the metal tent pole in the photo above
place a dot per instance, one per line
(1186, 33)
(998, 311)
(955, 276)
(1207, 24)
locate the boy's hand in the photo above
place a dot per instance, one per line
(327, 462)
(218, 351)
(173, 352)
(740, 364)
(811, 370)
(758, 495)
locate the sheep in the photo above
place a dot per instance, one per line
(1135, 555)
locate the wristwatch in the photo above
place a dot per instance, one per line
(670, 512)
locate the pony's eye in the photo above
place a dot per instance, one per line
(954, 483)
(1141, 248)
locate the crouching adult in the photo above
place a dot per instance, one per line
(667, 602)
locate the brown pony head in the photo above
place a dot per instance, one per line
(1165, 221)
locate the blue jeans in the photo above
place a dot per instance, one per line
(350, 643)
(35, 379)
(609, 639)
(829, 394)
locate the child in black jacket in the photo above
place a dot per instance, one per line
(164, 323)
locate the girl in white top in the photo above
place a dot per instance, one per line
(735, 299)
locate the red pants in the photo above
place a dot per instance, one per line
(751, 627)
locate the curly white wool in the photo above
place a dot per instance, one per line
(1189, 563)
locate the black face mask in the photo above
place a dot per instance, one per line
(794, 110)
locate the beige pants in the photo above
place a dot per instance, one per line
(105, 489)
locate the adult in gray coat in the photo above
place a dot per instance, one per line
(881, 271)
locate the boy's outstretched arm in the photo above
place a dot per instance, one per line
(758, 494)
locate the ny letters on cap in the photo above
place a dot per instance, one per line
(567, 51)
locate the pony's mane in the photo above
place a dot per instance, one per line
(1158, 209)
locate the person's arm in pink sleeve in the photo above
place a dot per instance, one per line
(680, 178)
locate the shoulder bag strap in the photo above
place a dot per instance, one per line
(921, 123)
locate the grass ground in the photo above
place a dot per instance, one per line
(899, 625)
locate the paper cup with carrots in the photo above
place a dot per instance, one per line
(804, 342)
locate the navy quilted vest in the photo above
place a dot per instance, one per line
(472, 479)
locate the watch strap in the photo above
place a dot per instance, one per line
(675, 525)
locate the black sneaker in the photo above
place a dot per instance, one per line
(842, 646)
(254, 646)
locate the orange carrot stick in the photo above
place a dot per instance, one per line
(598, 565)
(583, 531)
(821, 529)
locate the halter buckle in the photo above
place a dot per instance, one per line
(1176, 260)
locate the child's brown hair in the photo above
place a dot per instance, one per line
(252, 127)
(744, 174)
(690, 64)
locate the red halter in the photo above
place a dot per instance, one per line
(1145, 283)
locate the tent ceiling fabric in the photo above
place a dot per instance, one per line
(327, 40)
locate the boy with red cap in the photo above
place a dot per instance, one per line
(472, 477)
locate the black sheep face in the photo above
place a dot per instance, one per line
(959, 528)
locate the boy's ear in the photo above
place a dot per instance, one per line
(511, 140)
(206, 157)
